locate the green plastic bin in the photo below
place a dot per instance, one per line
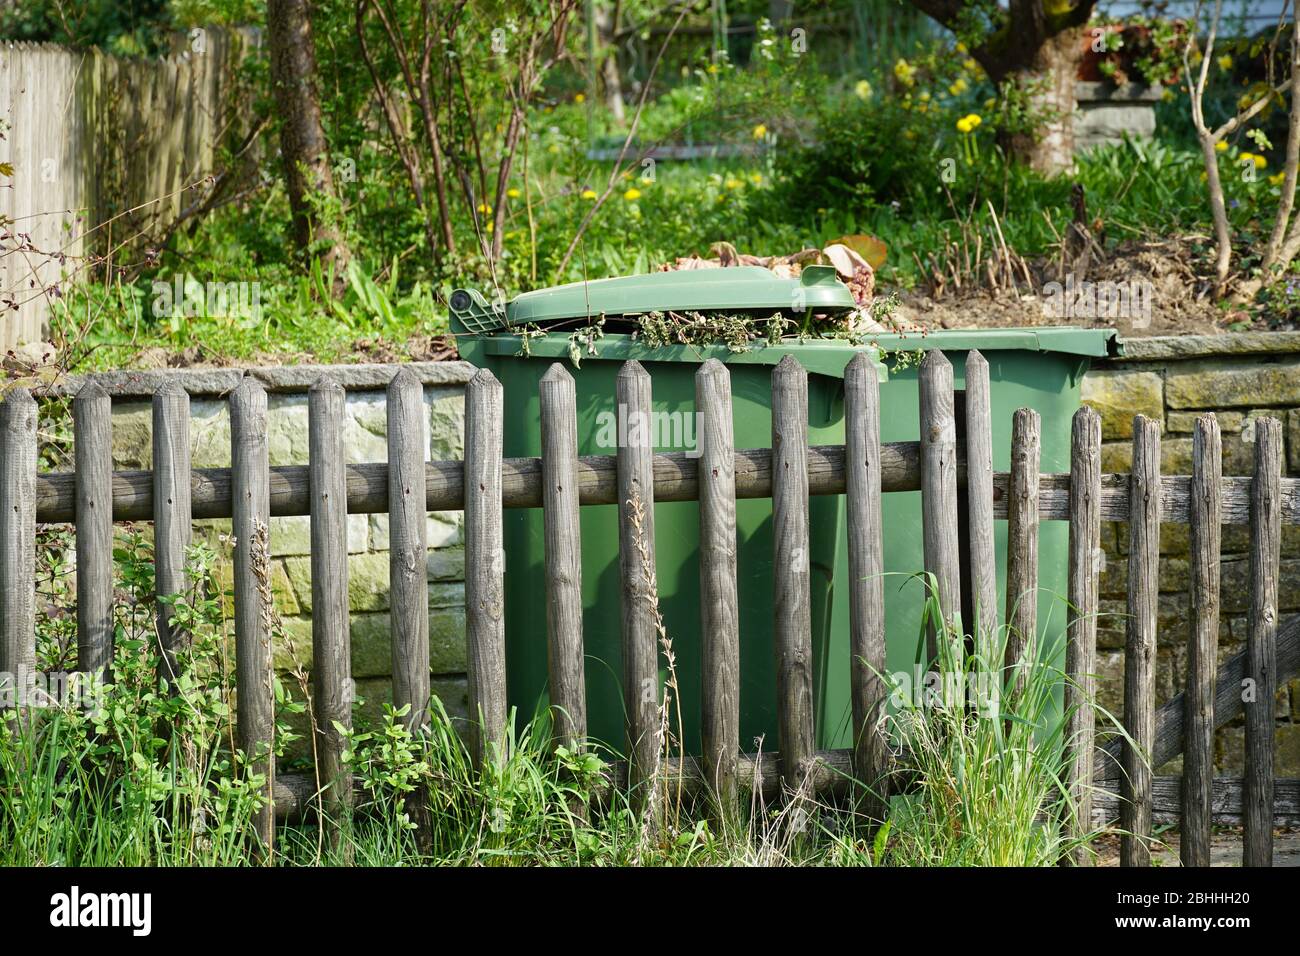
(1039, 368)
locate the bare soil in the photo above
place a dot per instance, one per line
(1182, 300)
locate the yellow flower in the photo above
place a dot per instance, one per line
(760, 131)
(1259, 161)
(990, 103)
(958, 87)
(580, 98)
(513, 193)
(1221, 145)
(963, 125)
(1277, 179)
(589, 194)
(974, 120)
(969, 65)
(632, 195)
(1225, 62)
(711, 68)
(553, 148)
(483, 209)
(490, 225)
(924, 96)
(756, 178)
(862, 89)
(961, 47)
(732, 183)
(904, 72)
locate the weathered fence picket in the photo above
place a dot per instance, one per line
(1261, 642)
(1081, 621)
(636, 551)
(791, 570)
(92, 443)
(251, 492)
(1140, 644)
(1202, 642)
(979, 497)
(250, 522)
(485, 633)
(719, 601)
(939, 498)
(332, 690)
(866, 571)
(1022, 543)
(17, 540)
(172, 511)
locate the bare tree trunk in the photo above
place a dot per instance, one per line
(606, 29)
(1048, 82)
(307, 169)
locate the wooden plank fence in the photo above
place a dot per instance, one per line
(561, 483)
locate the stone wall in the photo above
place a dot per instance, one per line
(1174, 380)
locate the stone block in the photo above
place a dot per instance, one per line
(1233, 383)
(1120, 394)
(442, 530)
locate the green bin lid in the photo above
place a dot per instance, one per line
(734, 289)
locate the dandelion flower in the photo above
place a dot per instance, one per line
(589, 194)
(513, 193)
(580, 98)
(904, 72)
(760, 131)
(483, 209)
(862, 89)
(732, 183)
(1225, 62)
(958, 87)
(1221, 146)
(632, 195)
(1277, 179)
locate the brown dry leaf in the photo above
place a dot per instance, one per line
(868, 247)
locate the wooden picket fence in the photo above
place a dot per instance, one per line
(952, 460)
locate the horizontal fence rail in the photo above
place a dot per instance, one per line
(958, 510)
(676, 478)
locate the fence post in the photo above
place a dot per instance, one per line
(171, 512)
(1140, 645)
(939, 499)
(1081, 622)
(636, 548)
(559, 422)
(979, 496)
(408, 570)
(250, 499)
(18, 543)
(1022, 544)
(485, 567)
(791, 570)
(1205, 517)
(1261, 642)
(92, 414)
(719, 607)
(866, 580)
(332, 690)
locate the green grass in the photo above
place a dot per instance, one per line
(152, 778)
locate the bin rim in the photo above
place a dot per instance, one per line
(818, 356)
(1063, 339)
